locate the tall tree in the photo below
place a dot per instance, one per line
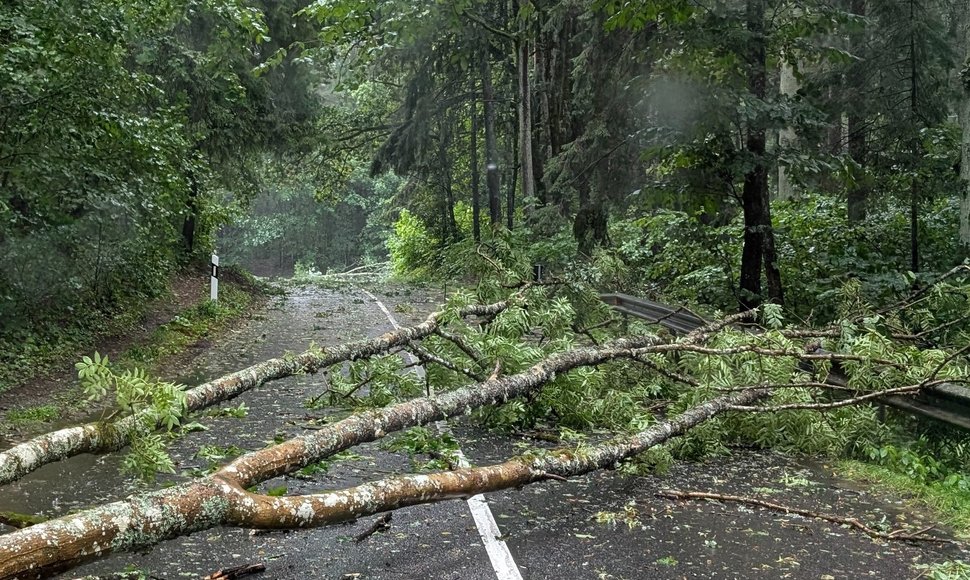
(492, 182)
(856, 116)
(759, 237)
(525, 103)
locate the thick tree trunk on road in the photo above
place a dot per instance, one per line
(106, 437)
(219, 499)
(144, 520)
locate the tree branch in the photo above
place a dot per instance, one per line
(841, 520)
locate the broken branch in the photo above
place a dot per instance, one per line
(841, 520)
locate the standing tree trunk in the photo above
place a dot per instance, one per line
(788, 87)
(513, 182)
(752, 253)
(525, 114)
(914, 184)
(755, 180)
(191, 206)
(491, 149)
(776, 291)
(964, 237)
(476, 201)
(759, 238)
(448, 214)
(540, 136)
(858, 190)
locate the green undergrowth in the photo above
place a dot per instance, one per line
(950, 504)
(40, 413)
(239, 293)
(190, 326)
(46, 345)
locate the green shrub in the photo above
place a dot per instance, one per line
(413, 249)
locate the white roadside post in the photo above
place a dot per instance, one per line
(214, 293)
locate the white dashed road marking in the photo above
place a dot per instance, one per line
(498, 551)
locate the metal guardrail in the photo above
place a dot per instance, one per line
(948, 403)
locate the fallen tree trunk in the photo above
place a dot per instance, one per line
(299, 452)
(144, 520)
(148, 519)
(104, 437)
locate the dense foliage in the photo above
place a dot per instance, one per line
(127, 131)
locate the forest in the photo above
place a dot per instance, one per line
(790, 178)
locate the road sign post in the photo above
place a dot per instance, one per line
(214, 292)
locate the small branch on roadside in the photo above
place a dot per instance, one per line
(841, 520)
(702, 333)
(495, 265)
(674, 376)
(603, 324)
(932, 376)
(326, 382)
(462, 345)
(916, 296)
(496, 372)
(754, 349)
(791, 385)
(360, 385)
(382, 524)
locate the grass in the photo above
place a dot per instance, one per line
(951, 506)
(46, 347)
(51, 349)
(189, 327)
(41, 413)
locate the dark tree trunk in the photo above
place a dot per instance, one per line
(776, 292)
(591, 225)
(513, 178)
(476, 201)
(525, 121)
(540, 137)
(914, 185)
(191, 205)
(752, 253)
(858, 191)
(538, 168)
(557, 89)
(450, 224)
(491, 149)
(759, 242)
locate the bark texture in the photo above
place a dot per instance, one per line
(964, 233)
(525, 116)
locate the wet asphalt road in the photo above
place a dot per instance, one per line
(601, 526)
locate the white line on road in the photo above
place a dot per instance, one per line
(498, 551)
